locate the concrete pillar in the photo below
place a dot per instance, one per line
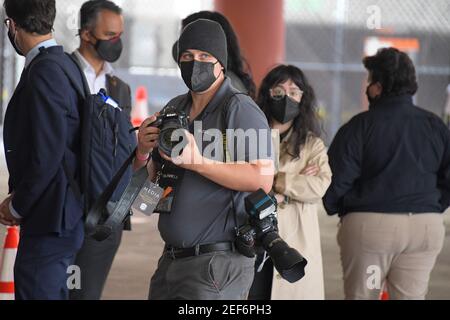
(260, 27)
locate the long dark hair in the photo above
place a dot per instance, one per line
(236, 62)
(307, 121)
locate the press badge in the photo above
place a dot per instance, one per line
(148, 198)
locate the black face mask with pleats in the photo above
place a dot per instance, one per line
(198, 76)
(109, 50)
(284, 110)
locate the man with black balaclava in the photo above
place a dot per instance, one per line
(200, 260)
(101, 28)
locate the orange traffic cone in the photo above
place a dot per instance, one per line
(384, 295)
(140, 109)
(7, 264)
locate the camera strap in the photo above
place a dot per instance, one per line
(99, 222)
(225, 108)
(169, 176)
(265, 258)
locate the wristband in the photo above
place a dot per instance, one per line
(141, 157)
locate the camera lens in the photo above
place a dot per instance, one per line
(166, 137)
(288, 261)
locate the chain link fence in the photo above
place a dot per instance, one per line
(326, 38)
(329, 38)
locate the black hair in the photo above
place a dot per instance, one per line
(394, 70)
(236, 62)
(34, 16)
(90, 10)
(307, 121)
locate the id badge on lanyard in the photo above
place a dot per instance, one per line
(148, 198)
(168, 179)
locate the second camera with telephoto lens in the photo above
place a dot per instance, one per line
(262, 231)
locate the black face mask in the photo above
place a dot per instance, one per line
(109, 50)
(12, 39)
(284, 110)
(198, 76)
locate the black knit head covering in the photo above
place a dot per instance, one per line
(205, 35)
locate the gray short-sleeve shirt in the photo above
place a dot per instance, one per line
(202, 210)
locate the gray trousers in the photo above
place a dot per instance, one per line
(399, 250)
(210, 276)
(95, 260)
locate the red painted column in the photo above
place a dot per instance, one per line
(260, 27)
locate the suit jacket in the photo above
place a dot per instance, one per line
(42, 127)
(121, 93)
(117, 89)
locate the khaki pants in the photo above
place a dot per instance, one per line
(398, 250)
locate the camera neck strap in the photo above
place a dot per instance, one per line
(99, 222)
(226, 156)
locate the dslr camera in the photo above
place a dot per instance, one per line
(261, 230)
(168, 121)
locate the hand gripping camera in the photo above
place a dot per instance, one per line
(261, 230)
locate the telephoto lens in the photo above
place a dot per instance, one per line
(288, 261)
(261, 230)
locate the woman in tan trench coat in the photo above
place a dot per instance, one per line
(302, 179)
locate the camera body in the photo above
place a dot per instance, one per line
(261, 230)
(168, 121)
(262, 211)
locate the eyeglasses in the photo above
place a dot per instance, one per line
(278, 93)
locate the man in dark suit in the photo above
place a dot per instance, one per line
(41, 137)
(101, 26)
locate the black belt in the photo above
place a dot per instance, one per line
(178, 253)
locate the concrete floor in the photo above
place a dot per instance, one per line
(140, 250)
(138, 255)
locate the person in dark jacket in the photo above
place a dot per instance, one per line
(101, 29)
(391, 182)
(41, 136)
